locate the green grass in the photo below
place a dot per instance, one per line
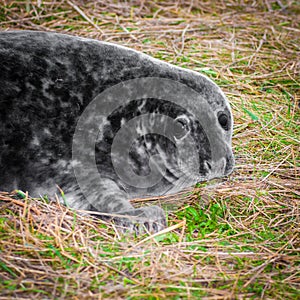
(235, 239)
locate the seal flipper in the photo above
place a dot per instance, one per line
(151, 218)
(112, 200)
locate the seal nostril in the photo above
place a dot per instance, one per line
(209, 165)
(229, 165)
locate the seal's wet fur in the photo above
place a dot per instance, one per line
(46, 82)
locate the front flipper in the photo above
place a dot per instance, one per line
(140, 220)
(114, 201)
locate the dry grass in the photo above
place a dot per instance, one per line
(244, 243)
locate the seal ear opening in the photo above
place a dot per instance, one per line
(181, 127)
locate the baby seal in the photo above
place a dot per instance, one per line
(106, 123)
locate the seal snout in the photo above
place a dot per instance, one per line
(222, 167)
(229, 165)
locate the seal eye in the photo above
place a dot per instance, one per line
(180, 128)
(223, 120)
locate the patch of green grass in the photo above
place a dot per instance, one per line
(202, 222)
(7, 269)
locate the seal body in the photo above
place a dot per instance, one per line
(47, 82)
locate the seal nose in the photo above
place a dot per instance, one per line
(229, 164)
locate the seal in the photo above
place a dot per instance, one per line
(106, 123)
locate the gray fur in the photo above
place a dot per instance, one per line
(46, 82)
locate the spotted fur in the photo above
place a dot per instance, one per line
(46, 82)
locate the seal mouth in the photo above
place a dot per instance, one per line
(215, 169)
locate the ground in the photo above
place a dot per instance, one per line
(231, 239)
